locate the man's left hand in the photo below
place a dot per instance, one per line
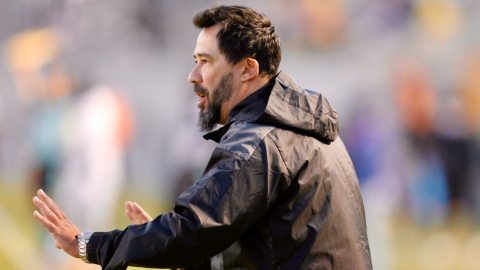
(136, 214)
(57, 223)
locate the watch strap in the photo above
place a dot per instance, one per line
(83, 240)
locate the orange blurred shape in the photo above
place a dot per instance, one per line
(416, 98)
(469, 91)
(28, 51)
(126, 125)
(32, 59)
(324, 22)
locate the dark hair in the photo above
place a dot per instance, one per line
(244, 33)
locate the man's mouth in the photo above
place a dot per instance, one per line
(201, 101)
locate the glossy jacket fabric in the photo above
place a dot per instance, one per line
(279, 192)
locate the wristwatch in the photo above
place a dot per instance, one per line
(83, 239)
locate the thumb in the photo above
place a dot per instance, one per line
(57, 245)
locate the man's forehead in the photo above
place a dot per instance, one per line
(207, 42)
(211, 31)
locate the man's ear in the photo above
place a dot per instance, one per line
(250, 70)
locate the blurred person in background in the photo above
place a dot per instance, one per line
(441, 24)
(42, 87)
(279, 190)
(78, 136)
(440, 137)
(468, 97)
(417, 103)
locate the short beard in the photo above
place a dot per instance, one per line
(208, 119)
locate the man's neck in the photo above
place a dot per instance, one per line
(247, 89)
(254, 85)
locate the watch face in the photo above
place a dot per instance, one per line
(85, 235)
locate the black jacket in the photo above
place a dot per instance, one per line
(279, 192)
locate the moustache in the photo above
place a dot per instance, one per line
(198, 89)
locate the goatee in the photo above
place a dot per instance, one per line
(208, 118)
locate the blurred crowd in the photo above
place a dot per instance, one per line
(95, 103)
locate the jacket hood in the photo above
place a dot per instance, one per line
(292, 107)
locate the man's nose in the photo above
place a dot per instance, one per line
(195, 76)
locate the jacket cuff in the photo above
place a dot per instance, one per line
(94, 245)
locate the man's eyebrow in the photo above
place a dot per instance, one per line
(203, 55)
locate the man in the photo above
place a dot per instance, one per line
(279, 192)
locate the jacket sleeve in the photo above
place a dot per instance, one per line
(233, 194)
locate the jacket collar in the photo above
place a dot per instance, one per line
(282, 102)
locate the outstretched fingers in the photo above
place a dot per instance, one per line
(132, 219)
(136, 214)
(128, 205)
(51, 204)
(132, 214)
(45, 222)
(129, 212)
(142, 215)
(45, 209)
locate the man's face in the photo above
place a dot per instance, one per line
(213, 79)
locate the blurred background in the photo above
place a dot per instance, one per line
(96, 109)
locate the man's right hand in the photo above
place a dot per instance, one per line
(57, 223)
(136, 214)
